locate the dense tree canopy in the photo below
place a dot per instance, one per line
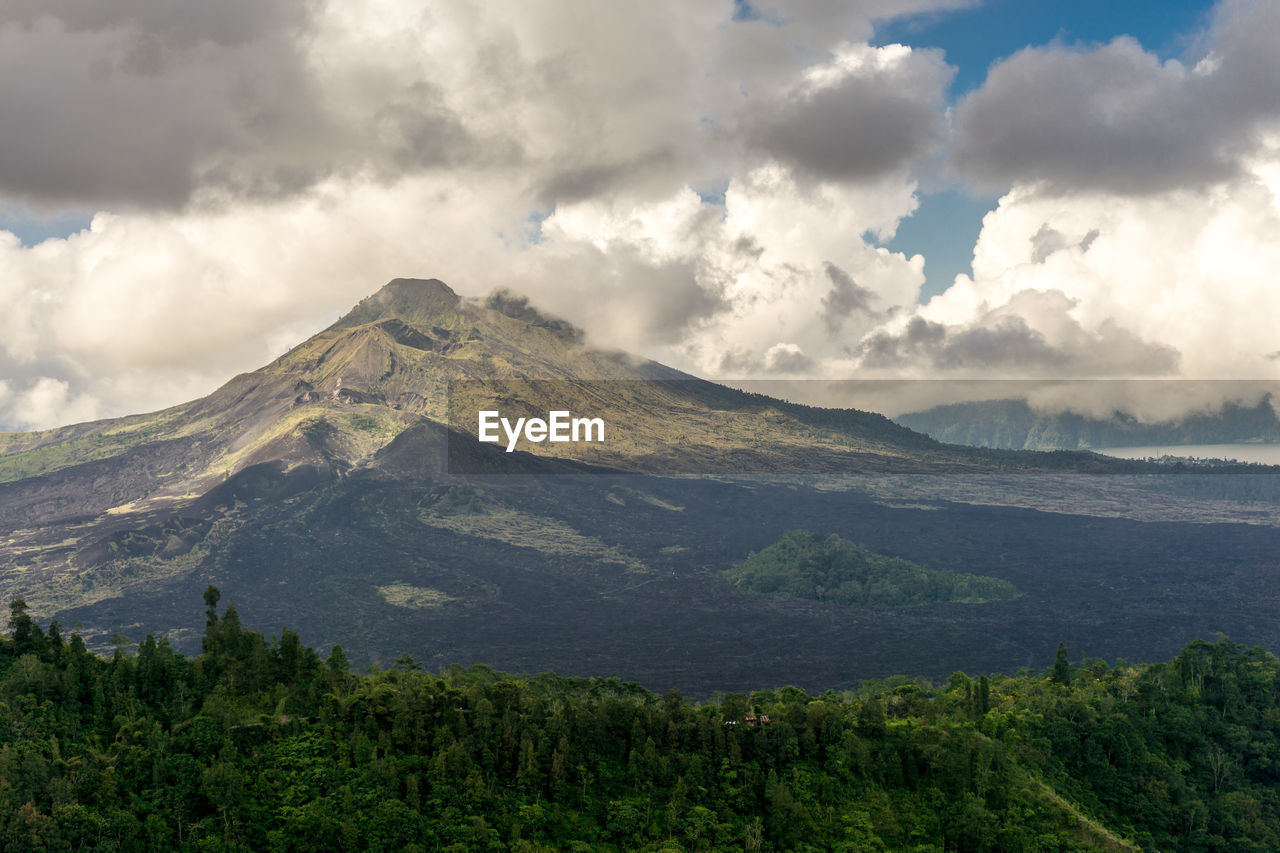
(262, 745)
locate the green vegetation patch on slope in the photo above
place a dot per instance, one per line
(826, 568)
(469, 512)
(30, 454)
(413, 597)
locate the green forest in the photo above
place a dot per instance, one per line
(261, 744)
(826, 568)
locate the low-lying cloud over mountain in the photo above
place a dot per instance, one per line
(709, 184)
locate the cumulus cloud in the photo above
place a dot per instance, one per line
(1140, 220)
(45, 403)
(713, 287)
(1005, 339)
(1118, 119)
(1188, 269)
(158, 105)
(867, 112)
(258, 167)
(685, 181)
(144, 310)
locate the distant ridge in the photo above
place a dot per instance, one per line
(1015, 425)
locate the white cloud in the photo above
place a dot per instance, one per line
(148, 309)
(726, 284)
(47, 402)
(1140, 223)
(1033, 334)
(144, 310)
(261, 166)
(1188, 269)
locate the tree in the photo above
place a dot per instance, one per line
(734, 707)
(209, 642)
(25, 633)
(984, 695)
(871, 720)
(211, 596)
(1061, 667)
(290, 654)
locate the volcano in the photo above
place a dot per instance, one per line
(342, 491)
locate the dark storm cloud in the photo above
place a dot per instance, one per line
(1116, 118)
(845, 298)
(869, 122)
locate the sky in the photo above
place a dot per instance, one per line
(789, 189)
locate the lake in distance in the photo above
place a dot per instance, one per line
(1265, 454)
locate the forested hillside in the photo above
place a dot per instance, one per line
(261, 744)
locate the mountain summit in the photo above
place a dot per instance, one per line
(416, 301)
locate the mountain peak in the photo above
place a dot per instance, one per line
(413, 300)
